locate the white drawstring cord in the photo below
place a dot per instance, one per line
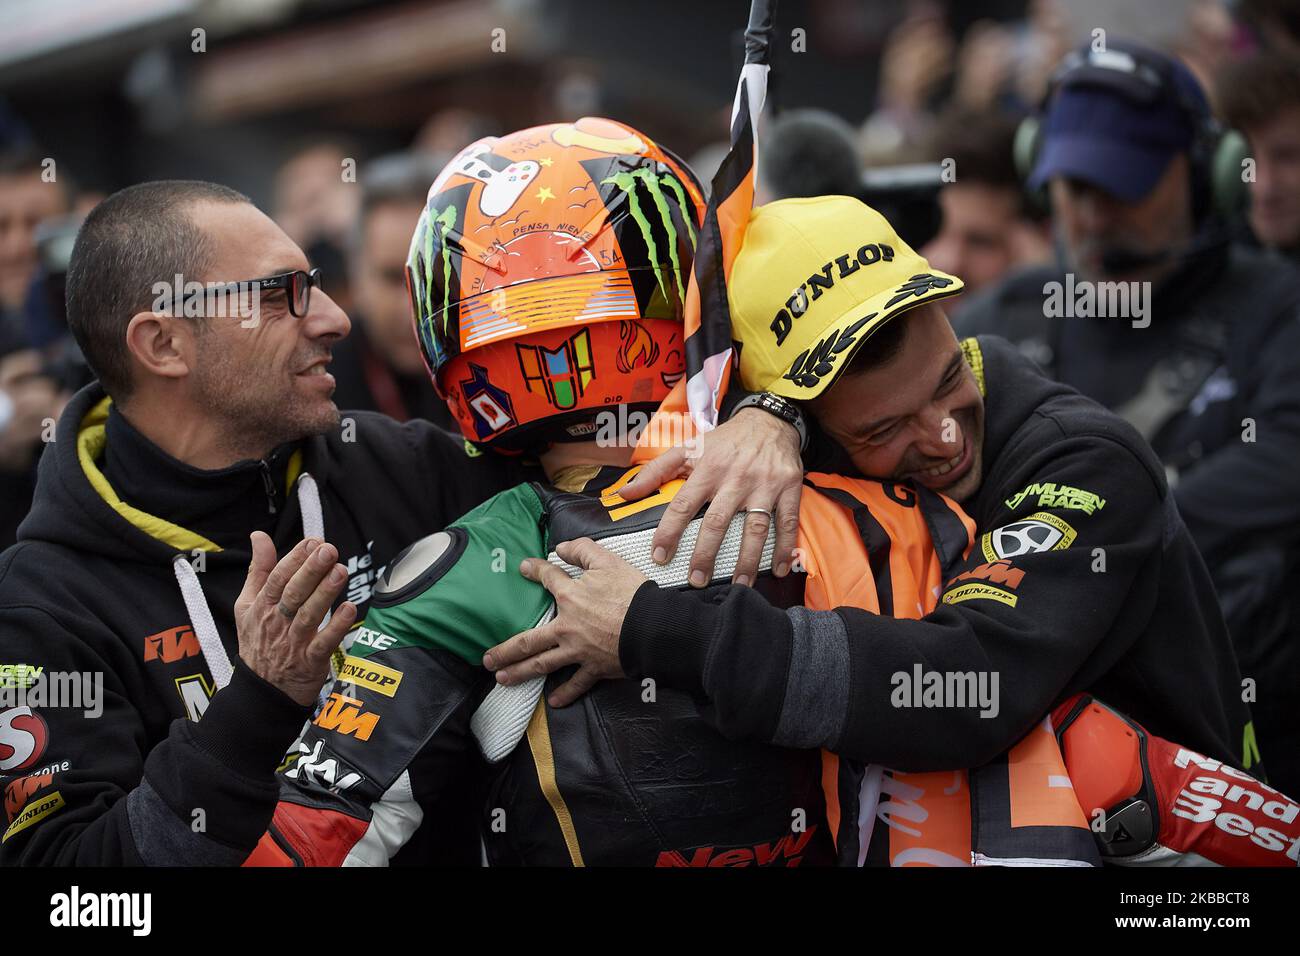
(205, 628)
(201, 620)
(313, 518)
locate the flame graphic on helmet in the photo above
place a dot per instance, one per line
(638, 347)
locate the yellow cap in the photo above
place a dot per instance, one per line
(814, 278)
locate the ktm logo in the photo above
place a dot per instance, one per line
(786, 851)
(23, 789)
(343, 715)
(995, 572)
(171, 645)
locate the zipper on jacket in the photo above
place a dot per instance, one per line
(268, 484)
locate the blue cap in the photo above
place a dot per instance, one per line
(1117, 120)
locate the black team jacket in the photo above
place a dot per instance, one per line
(1082, 578)
(1225, 326)
(132, 775)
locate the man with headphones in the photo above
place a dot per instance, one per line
(1203, 357)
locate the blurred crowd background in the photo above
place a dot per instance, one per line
(336, 115)
(281, 98)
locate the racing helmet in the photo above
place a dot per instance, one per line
(548, 276)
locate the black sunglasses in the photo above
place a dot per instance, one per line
(297, 285)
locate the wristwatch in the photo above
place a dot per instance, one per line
(782, 408)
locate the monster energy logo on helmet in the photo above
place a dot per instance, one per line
(654, 184)
(421, 265)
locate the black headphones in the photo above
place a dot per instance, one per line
(1216, 153)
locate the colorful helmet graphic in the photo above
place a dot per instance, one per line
(547, 277)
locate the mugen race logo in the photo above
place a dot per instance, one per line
(19, 675)
(343, 715)
(1052, 495)
(563, 374)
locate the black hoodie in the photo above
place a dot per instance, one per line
(91, 590)
(1226, 323)
(1082, 578)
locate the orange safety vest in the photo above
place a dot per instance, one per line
(1027, 809)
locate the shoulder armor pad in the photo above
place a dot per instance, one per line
(458, 591)
(419, 566)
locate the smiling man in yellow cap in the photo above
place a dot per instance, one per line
(1082, 576)
(851, 275)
